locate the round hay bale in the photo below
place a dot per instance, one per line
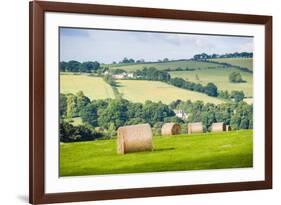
(170, 129)
(134, 138)
(218, 127)
(195, 127)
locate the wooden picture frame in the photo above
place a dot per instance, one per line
(37, 11)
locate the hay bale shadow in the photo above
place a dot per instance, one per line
(163, 149)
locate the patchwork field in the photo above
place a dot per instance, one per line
(172, 153)
(141, 90)
(93, 87)
(218, 76)
(242, 62)
(172, 65)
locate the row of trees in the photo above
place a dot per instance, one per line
(237, 115)
(204, 56)
(152, 73)
(237, 96)
(76, 66)
(70, 133)
(110, 114)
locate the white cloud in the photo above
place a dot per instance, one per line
(107, 45)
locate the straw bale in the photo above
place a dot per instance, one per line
(134, 138)
(170, 129)
(218, 127)
(195, 127)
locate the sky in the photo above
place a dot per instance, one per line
(106, 46)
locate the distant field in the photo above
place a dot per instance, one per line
(171, 153)
(75, 121)
(219, 77)
(242, 62)
(162, 66)
(141, 90)
(93, 87)
(249, 100)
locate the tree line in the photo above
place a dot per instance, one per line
(152, 73)
(109, 114)
(203, 56)
(76, 66)
(210, 89)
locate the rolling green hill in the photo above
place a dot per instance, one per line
(242, 62)
(191, 64)
(171, 153)
(142, 90)
(92, 87)
(218, 76)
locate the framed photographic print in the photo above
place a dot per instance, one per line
(138, 102)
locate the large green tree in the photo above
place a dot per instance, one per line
(235, 77)
(211, 89)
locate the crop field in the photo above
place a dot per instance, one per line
(92, 87)
(219, 77)
(141, 90)
(172, 65)
(242, 62)
(171, 153)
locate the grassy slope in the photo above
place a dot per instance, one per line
(93, 87)
(141, 90)
(242, 62)
(218, 76)
(172, 65)
(183, 152)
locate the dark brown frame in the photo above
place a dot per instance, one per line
(37, 95)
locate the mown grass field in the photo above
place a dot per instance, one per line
(141, 90)
(242, 62)
(172, 153)
(219, 76)
(191, 64)
(93, 87)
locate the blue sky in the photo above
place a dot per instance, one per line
(107, 46)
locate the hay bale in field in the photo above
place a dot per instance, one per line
(218, 127)
(195, 127)
(170, 129)
(134, 138)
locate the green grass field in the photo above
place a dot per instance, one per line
(242, 62)
(162, 66)
(141, 90)
(93, 87)
(218, 76)
(173, 153)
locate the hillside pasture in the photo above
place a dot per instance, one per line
(219, 77)
(191, 64)
(92, 87)
(241, 62)
(171, 153)
(142, 90)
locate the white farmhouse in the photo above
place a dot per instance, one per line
(181, 114)
(119, 76)
(130, 75)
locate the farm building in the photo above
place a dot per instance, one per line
(119, 76)
(134, 138)
(195, 127)
(123, 75)
(181, 114)
(170, 129)
(218, 127)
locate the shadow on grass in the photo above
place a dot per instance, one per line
(163, 149)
